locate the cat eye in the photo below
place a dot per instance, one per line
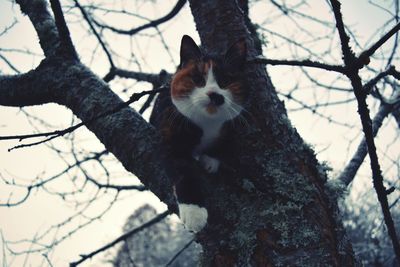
(224, 80)
(198, 79)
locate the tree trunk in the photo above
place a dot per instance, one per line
(269, 204)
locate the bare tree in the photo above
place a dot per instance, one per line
(271, 204)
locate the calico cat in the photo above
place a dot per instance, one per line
(206, 93)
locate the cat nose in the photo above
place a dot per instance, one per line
(216, 98)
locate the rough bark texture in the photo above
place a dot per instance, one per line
(44, 24)
(59, 79)
(125, 133)
(269, 205)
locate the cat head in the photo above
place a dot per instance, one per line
(209, 87)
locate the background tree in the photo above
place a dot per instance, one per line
(297, 221)
(155, 245)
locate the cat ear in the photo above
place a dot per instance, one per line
(235, 57)
(189, 50)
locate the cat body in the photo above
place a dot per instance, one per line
(206, 94)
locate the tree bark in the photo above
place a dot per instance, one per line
(58, 79)
(269, 205)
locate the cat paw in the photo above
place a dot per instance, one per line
(210, 164)
(193, 217)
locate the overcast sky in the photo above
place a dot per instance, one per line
(43, 210)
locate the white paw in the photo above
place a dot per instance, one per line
(193, 217)
(210, 164)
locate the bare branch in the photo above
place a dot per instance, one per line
(330, 119)
(7, 28)
(116, 187)
(354, 164)
(351, 63)
(121, 238)
(127, 135)
(179, 5)
(9, 64)
(180, 252)
(396, 115)
(301, 63)
(65, 39)
(363, 59)
(140, 76)
(348, 54)
(390, 71)
(54, 134)
(44, 24)
(24, 90)
(103, 45)
(43, 182)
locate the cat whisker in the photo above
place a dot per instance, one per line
(237, 111)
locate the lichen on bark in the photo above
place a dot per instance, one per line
(268, 206)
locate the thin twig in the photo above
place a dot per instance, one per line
(180, 252)
(121, 238)
(371, 83)
(363, 59)
(103, 45)
(154, 23)
(9, 64)
(301, 63)
(51, 135)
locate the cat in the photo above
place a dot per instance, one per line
(207, 92)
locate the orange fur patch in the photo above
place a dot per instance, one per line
(182, 83)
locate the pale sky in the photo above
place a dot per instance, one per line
(42, 210)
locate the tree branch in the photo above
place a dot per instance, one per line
(44, 24)
(370, 84)
(10, 65)
(396, 115)
(141, 76)
(24, 89)
(363, 59)
(154, 23)
(126, 134)
(66, 44)
(351, 63)
(180, 252)
(354, 164)
(103, 45)
(134, 97)
(121, 238)
(301, 63)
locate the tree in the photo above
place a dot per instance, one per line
(271, 204)
(155, 245)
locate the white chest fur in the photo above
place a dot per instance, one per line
(211, 132)
(194, 107)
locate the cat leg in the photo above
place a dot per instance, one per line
(192, 212)
(210, 164)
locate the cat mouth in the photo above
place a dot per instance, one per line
(211, 108)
